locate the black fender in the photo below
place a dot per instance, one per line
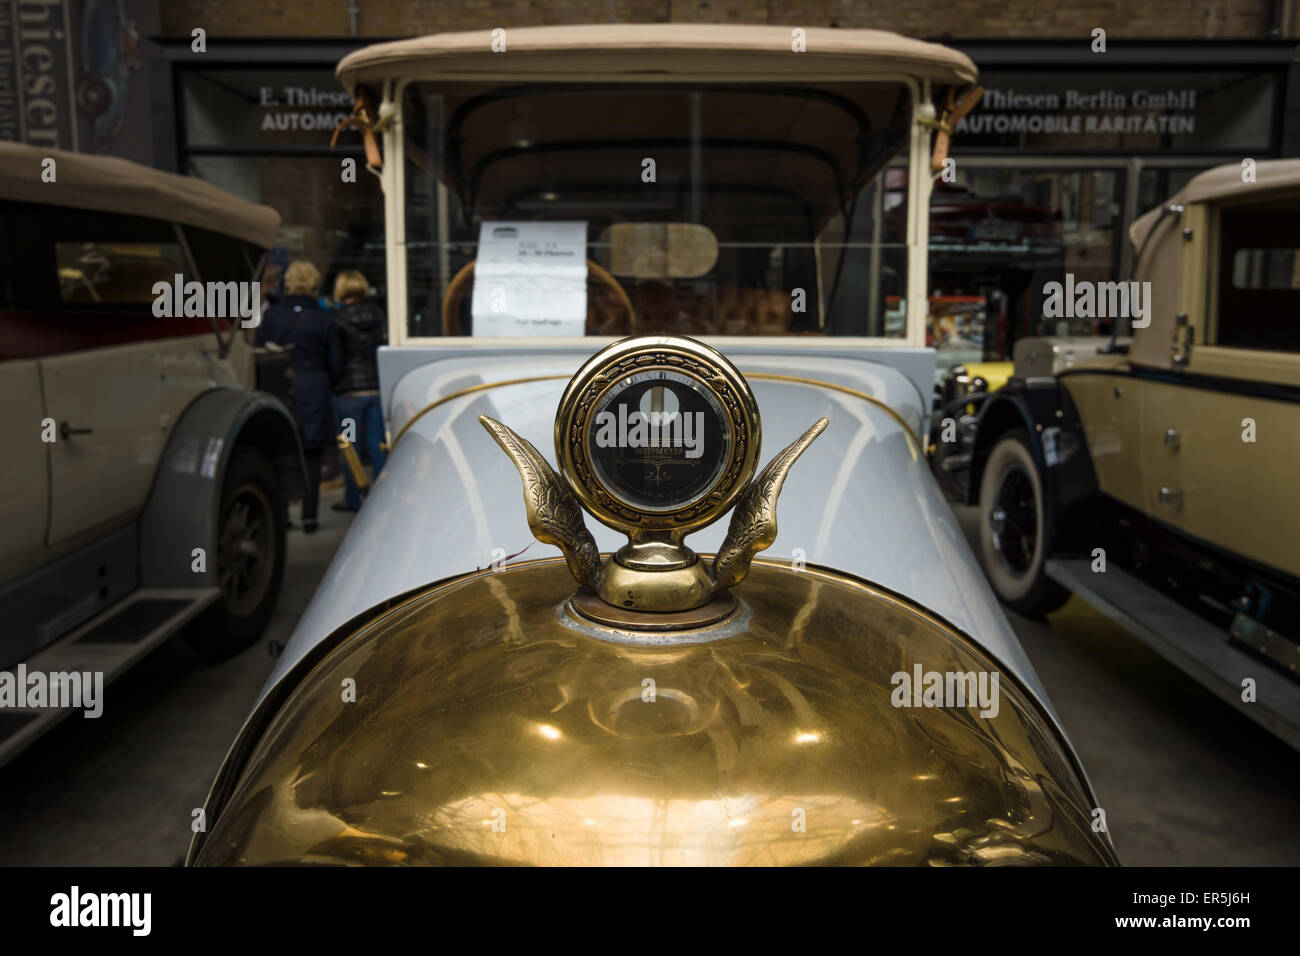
(181, 513)
(1044, 408)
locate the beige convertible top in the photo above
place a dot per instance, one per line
(1160, 260)
(108, 184)
(1221, 182)
(605, 50)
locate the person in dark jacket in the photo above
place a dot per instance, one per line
(362, 327)
(298, 322)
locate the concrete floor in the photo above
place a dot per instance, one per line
(1184, 778)
(119, 790)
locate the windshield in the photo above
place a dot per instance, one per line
(569, 209)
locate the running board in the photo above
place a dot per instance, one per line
(1190, 643)
(109, 643)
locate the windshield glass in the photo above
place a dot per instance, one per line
(569, 209)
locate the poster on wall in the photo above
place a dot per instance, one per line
(72, 76)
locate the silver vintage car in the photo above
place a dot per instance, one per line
(649, 275)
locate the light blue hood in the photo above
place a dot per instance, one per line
(861, 500)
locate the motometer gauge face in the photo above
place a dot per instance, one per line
(657, 433)
(659, 440)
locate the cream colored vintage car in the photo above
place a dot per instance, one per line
(600, 671)
(1158, 479)
(144, 487)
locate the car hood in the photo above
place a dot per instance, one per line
(491, 730)
(861, 500)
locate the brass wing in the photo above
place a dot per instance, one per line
(553, 512)
(753, 523)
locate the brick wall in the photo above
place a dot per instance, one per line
(959, 18)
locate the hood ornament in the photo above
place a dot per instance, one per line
(656, 437)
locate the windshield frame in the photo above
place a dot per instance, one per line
(920, 181)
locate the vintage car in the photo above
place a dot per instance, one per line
(145, 489)
(1156, 478)
(964, 389)
(461, 690)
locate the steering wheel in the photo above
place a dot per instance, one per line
(456, 290)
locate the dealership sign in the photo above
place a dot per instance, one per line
(297, 108)
(1081, 113)
(1122, 111)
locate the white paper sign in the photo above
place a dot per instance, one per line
(531, 279)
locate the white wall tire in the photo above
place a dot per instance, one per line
(1013, 528)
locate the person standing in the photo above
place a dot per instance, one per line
(298, 322)
(362, 327)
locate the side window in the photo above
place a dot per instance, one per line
(221, 258)
(1259, 276)
(115, 273)
(81, 260)
(78, 279)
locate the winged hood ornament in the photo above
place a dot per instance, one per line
(656, 437)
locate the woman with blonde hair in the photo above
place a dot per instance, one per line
(362, 327)
(299, 323)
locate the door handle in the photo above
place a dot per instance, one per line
(1170, 496)
(1184, 338)
(66, 431)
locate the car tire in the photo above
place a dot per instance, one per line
(1013, 528)
(250, 536)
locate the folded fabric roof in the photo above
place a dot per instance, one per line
(109, 184)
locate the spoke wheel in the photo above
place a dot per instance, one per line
(1013, 524)
(1014, 520)
(249, 540)
(246, 559)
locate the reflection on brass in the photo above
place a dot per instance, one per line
(656, 591)
(553, 514)
(353, 462)
(486, 732)
(588, 605)
(753, 523)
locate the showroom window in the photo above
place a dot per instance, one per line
(264, 134)
(998, 234)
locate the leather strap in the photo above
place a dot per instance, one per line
(948, 122)
(361, 119)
